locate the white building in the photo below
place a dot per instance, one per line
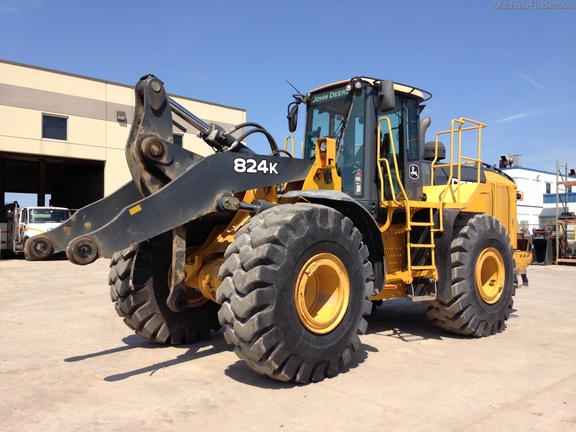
(545, 193)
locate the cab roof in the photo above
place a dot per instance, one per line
(423, 95)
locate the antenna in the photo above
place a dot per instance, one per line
(298, 91)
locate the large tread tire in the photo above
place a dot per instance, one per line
(262, 271)
(481, 297)
(138, 282)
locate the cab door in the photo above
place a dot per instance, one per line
(400, 147)
(412, 158)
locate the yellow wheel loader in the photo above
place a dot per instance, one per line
(290, 254)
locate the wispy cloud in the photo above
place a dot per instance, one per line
(17, 6)
(530, 80)
(511, 118)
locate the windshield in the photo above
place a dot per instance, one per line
(338, 114)
(325, 116)
(49, 215)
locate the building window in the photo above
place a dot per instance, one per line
(178, 139)
(548, 187)
(54, 127)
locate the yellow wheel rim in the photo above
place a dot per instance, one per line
(322, 293)
(490, 275)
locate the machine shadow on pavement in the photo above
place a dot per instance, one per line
(404, 320)
(216, 344)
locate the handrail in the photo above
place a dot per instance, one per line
(388, 171)
(288, 138)
(456, 130)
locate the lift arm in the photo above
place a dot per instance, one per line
(171, 186)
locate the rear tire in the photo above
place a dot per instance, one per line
(482, 281)
(294, 292)
(139, 286)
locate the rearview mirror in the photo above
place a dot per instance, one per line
(386, 95)
(293, 118)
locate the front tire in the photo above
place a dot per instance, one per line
(482, 281)
(139, 286)
(294, 290)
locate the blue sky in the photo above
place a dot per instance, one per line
(512, 67)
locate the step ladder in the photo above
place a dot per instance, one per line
(426, 271)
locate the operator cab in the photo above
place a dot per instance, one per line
(373, 122)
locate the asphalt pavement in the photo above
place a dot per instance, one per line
(68, 363)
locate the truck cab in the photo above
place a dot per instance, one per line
(19, 224)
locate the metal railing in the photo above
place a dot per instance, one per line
(457, 161)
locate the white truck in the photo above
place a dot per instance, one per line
(19, 224)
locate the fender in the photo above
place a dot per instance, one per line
(362, 219)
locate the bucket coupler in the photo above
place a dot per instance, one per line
(87, 219)
(171, 185)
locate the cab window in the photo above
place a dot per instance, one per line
(411, 115)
